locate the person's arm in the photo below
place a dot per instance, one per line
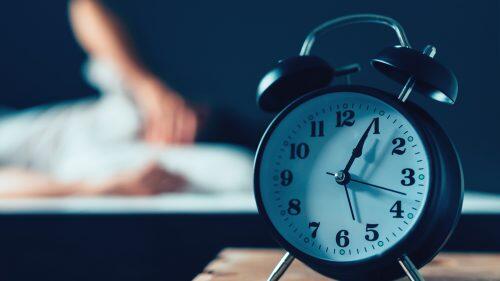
(20, 183)
(168, 118)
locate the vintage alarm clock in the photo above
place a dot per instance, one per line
(356, 182)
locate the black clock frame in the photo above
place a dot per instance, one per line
(440, 214)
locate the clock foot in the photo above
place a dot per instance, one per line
(281, 267)
(410, 269)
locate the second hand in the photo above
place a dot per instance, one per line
(378, 186)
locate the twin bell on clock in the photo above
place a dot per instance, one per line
(354, 181)
(299, 75)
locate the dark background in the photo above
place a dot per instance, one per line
(214, 53)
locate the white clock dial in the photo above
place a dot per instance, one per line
(309, 206)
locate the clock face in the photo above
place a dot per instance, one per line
(343, 176)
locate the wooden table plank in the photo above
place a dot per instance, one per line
(256, 264)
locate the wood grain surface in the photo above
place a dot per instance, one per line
(256, 264)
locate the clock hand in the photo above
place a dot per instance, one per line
(377, 186)
(343, 176)
(349, 178)
(349, 201)
(358, 150)
(342, 179)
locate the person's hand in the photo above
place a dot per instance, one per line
(150, 180)
(167, 117)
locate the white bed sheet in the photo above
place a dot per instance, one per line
(189, 203)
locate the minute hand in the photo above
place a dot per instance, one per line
(358, 150)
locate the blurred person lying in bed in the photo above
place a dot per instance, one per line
(136, 139)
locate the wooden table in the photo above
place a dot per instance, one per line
(256, 264)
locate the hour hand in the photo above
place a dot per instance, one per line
(358, 150)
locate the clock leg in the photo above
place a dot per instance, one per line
(410, 269)
(281, 267)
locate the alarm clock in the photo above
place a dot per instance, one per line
(356, 182)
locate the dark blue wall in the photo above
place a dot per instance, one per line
(214, 53)
(40, 59)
